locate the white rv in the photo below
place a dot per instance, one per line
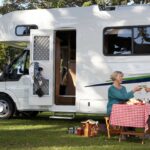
(68, 57)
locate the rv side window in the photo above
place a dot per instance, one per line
(24, 30)
(141, 40)
(117, 41)
(127, 40)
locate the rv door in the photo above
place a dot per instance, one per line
(41, 67)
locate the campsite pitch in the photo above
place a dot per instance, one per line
(42, 133)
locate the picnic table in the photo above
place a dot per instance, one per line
(136, 116)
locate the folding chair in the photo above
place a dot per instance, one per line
(111, 129)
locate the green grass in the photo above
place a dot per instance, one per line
(43, 133)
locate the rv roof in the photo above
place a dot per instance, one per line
(74, 17)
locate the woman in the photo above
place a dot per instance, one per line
(118, 93)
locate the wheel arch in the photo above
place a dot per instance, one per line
(11, 96)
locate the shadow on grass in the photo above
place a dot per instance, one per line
(43, 132)
(49, 137)
(45, 118)
(56, 137)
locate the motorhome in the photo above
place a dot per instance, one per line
(68, 55)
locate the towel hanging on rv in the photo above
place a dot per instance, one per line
(38, 79)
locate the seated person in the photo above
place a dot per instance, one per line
(118, 93)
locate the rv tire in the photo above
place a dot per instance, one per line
(6, 107)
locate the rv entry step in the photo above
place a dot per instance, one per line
(62, 115)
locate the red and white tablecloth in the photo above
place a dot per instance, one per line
(130, 115)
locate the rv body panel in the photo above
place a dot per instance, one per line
(93, 67)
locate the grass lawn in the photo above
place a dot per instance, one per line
(43, 133)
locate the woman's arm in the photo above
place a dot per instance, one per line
(147, 89)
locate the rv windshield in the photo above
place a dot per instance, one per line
(13, 60)
(19, 66)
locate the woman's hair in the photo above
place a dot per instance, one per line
(115, 74)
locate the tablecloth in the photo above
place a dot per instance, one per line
(130, 115)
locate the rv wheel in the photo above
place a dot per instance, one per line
(6, 107)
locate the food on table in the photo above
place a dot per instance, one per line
(134, 101)
(143, 86)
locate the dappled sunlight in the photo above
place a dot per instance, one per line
(28, 127)
(64, 13)
(92, 93)
(98, 63)
(120, 23)
(139, 9)
(54, 136)
(102, 14)
(35, 15)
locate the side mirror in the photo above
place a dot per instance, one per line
(21, 71)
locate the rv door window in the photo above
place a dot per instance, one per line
(141, 37)
(118, 41)
(24, 30)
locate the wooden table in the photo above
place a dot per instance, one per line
(136, 116)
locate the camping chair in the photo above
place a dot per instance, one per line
(111, 129)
